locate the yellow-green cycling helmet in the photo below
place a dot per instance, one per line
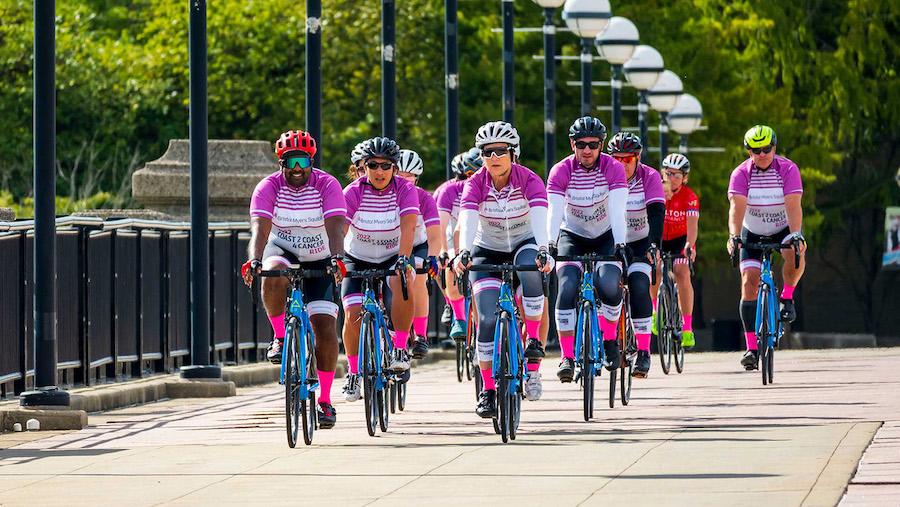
(759, 136)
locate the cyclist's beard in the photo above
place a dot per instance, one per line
(593, 161)
(296, 177)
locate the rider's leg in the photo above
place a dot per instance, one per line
(532, 292)
(351, 297)
(274, 294)
(639, 299)
(420, 319)
(790, 274)
(486, 292)
(685, 293)
(606, 280)
(401, 309)
(569, 276)
(749, 289)
(325, 328)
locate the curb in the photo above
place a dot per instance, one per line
(50, 419)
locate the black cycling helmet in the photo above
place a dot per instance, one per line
(624, 142)
(382, 147)
(587, 126)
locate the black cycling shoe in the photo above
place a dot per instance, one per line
(641, 364)
(566, 371)
(534, 349)
(788, 313)
(402, 377)
(419, 348)
(326, 415)
(487, 404)
(611, 349)
(750, 361)
(447, 316)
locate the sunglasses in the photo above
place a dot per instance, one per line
(499, 152)
(584, 144)
(292, 162)
(767, 149)
(384, 166)
(625, 160)
(674, 174)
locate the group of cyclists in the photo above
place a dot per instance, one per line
(496, 211)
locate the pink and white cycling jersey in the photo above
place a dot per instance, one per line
(765, 191)
(644, 187)
(503, 219)
(428, 216)
(586, 193)
(374, 217)
(449, 197)
(298, 214)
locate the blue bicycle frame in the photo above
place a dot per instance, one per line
(371, 306)
(768, 291)
(597, 353)
(297, 313)
(507, 304)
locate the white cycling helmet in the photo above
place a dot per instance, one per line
(677, 161)
(410, 162)
(497, 132)
(357, 154)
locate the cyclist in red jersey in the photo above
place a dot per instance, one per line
(679, 237)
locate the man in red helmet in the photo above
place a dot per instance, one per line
(297, 217)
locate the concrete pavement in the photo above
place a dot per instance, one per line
(710, 436)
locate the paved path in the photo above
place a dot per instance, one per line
(711, 436)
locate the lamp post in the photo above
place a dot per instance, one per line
(642, 70)
(663, 97)
(549, 82)
(685, 118)
(509, 85)
(616, 44)
(314, 73)
(451, 75)
(586, 18)
(388, 70)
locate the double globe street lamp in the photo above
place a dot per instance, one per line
(616, 44)
(663, 96)
(642, 70)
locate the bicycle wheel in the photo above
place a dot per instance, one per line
(503, 408)
(471, 356)
(401, 396)
(762, 334)
(393, 391)
(293, 405)
(629, 351)
(587, 361)
(664, 328)
(515, 398)
(367, 349)
(309, 414)
(677, 347)
(383, 394)
(460, 360)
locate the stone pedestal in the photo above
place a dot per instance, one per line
(235, 167)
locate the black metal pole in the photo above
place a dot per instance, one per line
(615, 84)
(586, 59)
(643, 108)
(549, 91)
(663, 136)
(683, 147)
(388, 70)
(314, 74)
(451, 71)
(200, 353)
(46, 392)
(509, 63)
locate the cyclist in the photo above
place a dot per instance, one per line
(448, 197)
(646, 214)
(297, 217)
(680, 238)
(764, 192)
(503, 219)
(381, 215)
(427, 244)
(588, 196)
(355, 170)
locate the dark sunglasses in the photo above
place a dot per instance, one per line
(292, 162)
(584, 144)
(384, 166)
(489, 152)
(767, 149)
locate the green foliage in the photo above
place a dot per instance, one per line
(64, 205)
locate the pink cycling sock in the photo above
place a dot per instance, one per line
(751, 340)
(787, 292)
(653, 302)
(687, 322)
(643, 341)
(534, 366)
(420, 325)
(447, 299)
(326, 378)
(459, 308)
(487, 379)
(353, 363)
(277, 325)
(567, 346)
(532, 328)
(401, 339)
(608, 328)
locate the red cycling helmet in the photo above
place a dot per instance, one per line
(295, 140)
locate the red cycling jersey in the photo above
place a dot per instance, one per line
(684, 203)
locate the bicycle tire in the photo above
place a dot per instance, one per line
(383, 395)
(770, 364)
(401, 396)
(663, 328)
(587, 361)
(367, 350)
(393, 391)
(629, 351)
(293, 405)
(460, 360)
(310, 420)
(762, 338)
(677, 347)
(515, 399)
(502, 381)
(471, 350)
